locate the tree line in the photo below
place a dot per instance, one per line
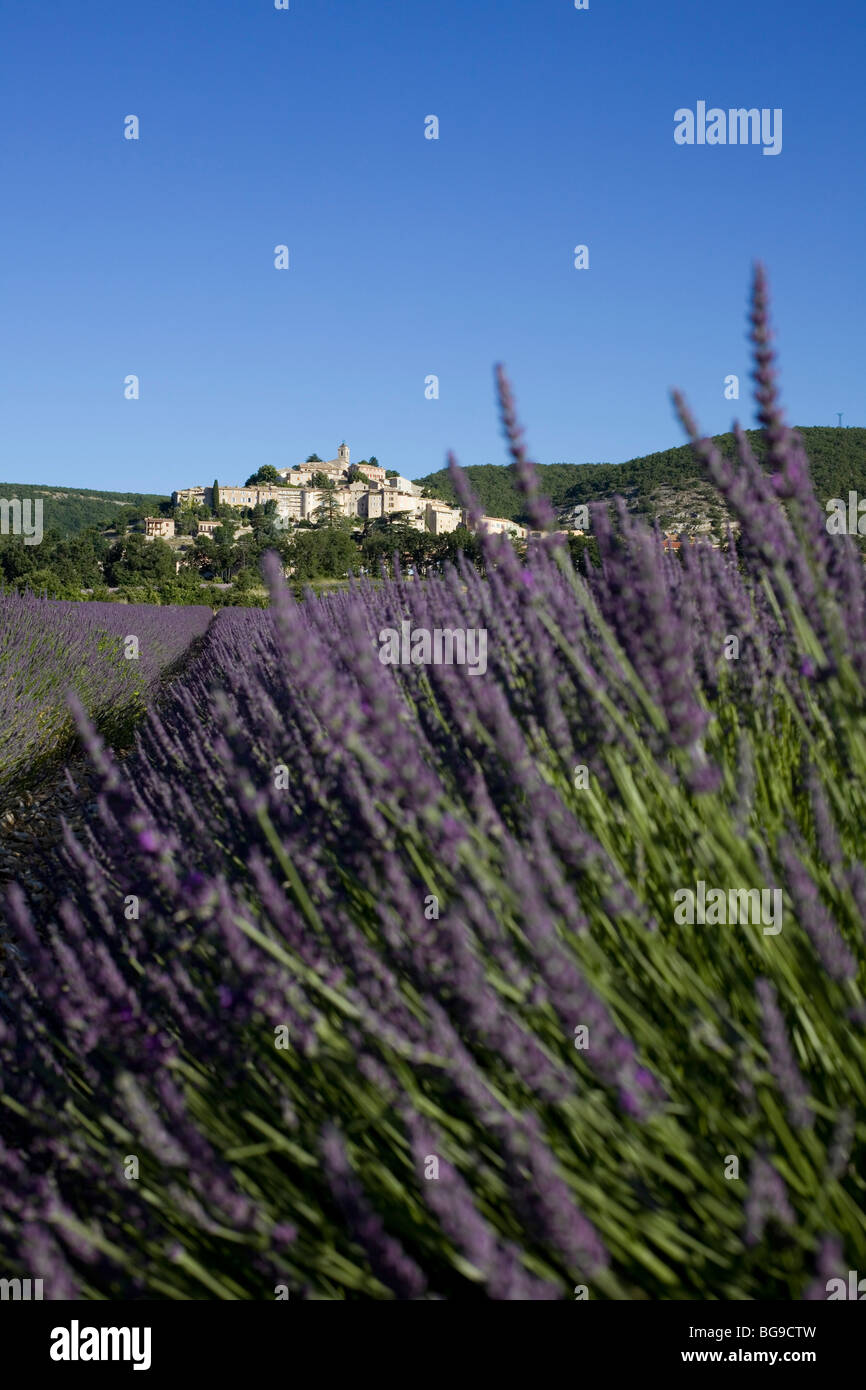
(121, 563)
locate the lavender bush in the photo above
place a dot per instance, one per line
(49, 647)
(368, 984)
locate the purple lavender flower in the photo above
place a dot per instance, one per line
(835, 955)
(766, 1200)
(388, 1260)
(782, 1063)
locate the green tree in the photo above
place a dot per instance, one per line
(185, 519)
(262, 519)
(387, 536)
(135, 560)
(203, 556)
(266, 474)
(584, 545)
(459, 541)
(327, 513)
(327, 553)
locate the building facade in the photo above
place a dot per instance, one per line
(499, 526)
(441, 518)
(197, 496)
(303, 473)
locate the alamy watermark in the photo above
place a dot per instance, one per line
(20, 1290)
(855, 1289)
(850, 521)
(722, 907)
(21, 518)
(736, 126)
(77, 1343)
(439, 646)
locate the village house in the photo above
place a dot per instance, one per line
(197, 496)
(371, 471)
(402, 485)
(499, 526)
(441, 517)
(383, 501)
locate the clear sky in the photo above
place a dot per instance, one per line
(408, 256)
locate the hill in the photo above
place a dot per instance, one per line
(70, 510)
(669, 485)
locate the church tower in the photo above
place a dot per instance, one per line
(343, 454)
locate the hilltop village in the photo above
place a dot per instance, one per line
(317, 490)
(324, 519)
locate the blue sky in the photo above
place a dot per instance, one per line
(411, 257)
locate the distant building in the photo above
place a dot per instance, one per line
(332, 468)
(382, 501)
(197, 496)
(158, 526)
(400, 484)
(241, 496)
(348, 498)
(369, 470)
(500, 526)
(441, 517)
(300, 476)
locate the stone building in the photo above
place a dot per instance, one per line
(293, 503)
(244, 496)
(441, 517)
(197, 496)
(404, 485)
(158, 526)
(302, 474)
(500, 526)
(382, 501)
(369, 470)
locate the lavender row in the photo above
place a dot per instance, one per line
(112, 656)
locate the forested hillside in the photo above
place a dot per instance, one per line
(70, 510)
(837, 456)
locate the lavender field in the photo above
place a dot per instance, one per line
(377, 981)
(111, 657)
